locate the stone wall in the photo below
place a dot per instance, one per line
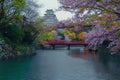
(7, 52)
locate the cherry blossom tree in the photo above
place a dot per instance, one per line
(86, 7)
(104, 14)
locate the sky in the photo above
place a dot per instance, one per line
(53, 4)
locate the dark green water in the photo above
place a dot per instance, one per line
(61, 65)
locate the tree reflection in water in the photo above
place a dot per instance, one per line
(83, 54)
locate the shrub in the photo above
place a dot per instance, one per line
(1, 41)
(7, 40)
(62, 35)
(28, 38)
(118, 33)
(30, 32)
(13, 32)
(81, 36)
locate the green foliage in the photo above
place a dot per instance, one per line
(1, 41)
(62, 35)
(17, 37)
(7, 40)
(21, 47)
(50, 36)
(10, 12)
(13, 32)
(28, 38)
(91, 15)
(29, 33)
(11, 9)
(19, 4)
(87, 25)
(118, 33)
(40, 37)
(45, 36)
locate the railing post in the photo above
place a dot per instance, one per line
(85, 45)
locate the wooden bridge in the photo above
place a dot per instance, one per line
(68, 43)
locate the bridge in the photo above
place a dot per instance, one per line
(68, 43)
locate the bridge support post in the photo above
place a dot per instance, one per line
(68, 47)
(42, 47)
(85, 45)
(53, 47)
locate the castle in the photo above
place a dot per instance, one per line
(50, 17)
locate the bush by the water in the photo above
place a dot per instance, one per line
(30, 32)
(13, 32)
(11, 42)
(28, 38)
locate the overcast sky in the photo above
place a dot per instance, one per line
(53, 4)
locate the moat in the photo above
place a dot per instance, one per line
(62, 64)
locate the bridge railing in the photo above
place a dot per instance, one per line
(65, 42)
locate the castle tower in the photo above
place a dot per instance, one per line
(50, 17)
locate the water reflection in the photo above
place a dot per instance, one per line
(14, 69)
(106, 66)
(83, 54)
